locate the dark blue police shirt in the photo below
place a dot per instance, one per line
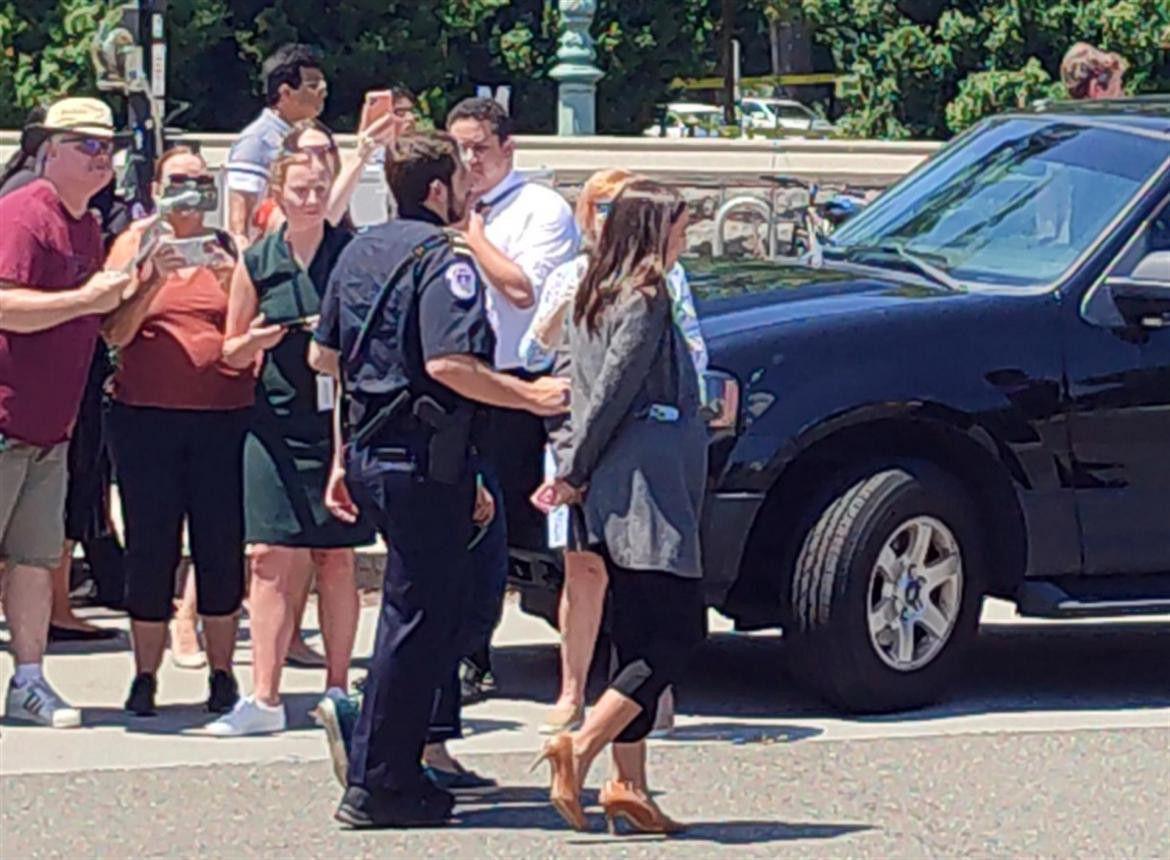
(436, 306)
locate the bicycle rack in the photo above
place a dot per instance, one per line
(746, 202)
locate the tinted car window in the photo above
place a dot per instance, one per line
(1015, 203)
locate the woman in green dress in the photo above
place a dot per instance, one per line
(275, 298)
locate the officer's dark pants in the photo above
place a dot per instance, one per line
(489, 560)
(513, 454)
(427, 526)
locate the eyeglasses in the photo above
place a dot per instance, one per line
(196, 179)
(91, 146)
(603, 207)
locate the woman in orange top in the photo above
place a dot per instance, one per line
(177, 427)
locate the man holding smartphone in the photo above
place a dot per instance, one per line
(404, 326)
(53, 294)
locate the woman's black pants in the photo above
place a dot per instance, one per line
(174, 465)
(657, 620)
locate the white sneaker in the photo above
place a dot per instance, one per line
(249, 717)
(37, 702)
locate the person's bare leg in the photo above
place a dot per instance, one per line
(219, 634)
(277, 573)
(62, 612)
(184, 632)
(582, 602)
(664, 719)
(612, 713)
(297, 647)
(28, 600)
(629, 765)
(150, 641)
(337, 611)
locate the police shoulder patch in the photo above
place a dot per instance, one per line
(461, 281)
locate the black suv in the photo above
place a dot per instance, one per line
(967, 395)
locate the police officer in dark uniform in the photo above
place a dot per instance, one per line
(404, 327)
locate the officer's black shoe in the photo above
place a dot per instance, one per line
(140, 702)
(360, 809)
(224, 692)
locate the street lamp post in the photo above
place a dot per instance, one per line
(575, 71)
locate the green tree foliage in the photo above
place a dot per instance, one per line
(927, 68)
(44, 51)
(922, 67)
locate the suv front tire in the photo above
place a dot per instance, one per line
(886, 591)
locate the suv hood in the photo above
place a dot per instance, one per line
(736, 296)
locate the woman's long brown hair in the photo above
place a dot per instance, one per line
(631, 253)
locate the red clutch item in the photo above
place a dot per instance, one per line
(263, 214)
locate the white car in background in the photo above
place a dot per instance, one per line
(688, 119)
(782, 114)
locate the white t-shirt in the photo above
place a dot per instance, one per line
(253, 152)
(533, 226)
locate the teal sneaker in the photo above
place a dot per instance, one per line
(338, 714)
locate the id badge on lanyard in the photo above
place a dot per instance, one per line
(326, 392)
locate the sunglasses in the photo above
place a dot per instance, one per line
(603, 207)
(91, 146)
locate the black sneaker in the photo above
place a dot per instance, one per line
(140, 702)
(362, 810)
(225, 692)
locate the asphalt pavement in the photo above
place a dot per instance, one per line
(1055, 745)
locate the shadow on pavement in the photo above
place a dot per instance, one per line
(1022, 666)
(738, 833)
(742, 733)
(527, 808)
(188, 719)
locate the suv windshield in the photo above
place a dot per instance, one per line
(1015, 204)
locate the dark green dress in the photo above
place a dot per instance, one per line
(288, 448)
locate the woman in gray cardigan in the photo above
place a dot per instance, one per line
(637, 466)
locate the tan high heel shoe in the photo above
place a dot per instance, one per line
(620, 800)
(563, 792)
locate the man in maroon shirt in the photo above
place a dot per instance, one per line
(53, 293)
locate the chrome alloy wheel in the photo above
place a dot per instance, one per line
(915, 592)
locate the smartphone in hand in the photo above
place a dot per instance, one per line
(195, 250)
(377, 105)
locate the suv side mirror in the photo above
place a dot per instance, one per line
(1143, 296)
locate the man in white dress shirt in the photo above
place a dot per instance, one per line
(520, 232)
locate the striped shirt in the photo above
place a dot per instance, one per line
(251, 156)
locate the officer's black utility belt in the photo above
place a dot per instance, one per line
(444, 434)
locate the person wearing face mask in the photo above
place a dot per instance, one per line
(404, 328)
(544, 348)
(273, 305)
(295, 89)
(637, 465)
(1088, 73)
(519, 232)
(177, 428)
(53, 294)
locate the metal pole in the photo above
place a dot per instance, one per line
(154, 38)
(727, 50)
(575, 69)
